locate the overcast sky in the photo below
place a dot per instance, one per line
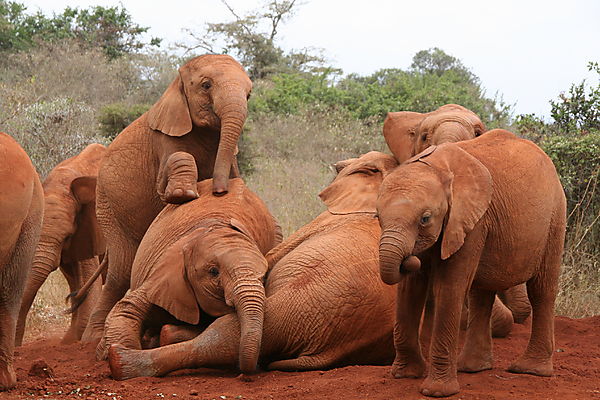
(527, 51)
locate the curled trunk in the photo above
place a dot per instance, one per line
(391, 254)
(249, 301)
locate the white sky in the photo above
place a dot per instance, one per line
(526, 50)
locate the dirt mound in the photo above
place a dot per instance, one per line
(77, 376)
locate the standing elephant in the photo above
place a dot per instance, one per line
(189, 134)
(408, 133)
(325, 306)
(70, 237)
(22, 205)
(485, 214)
(204, 257)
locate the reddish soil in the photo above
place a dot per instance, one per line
(74, 375)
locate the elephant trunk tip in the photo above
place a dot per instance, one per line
(220, 186)
(411, 264)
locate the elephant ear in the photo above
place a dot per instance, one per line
(171, 114)
(87, 241)
(168, 286)
(399, 130)
(356, 187)
(469, 185)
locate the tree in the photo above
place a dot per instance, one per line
(251, 39)
(110, 28)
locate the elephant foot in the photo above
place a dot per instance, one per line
(8, 378)
(439, 388)
(92, 335)
(180, 193)
(473, 363)
(411, 369)
(126, 364)
(170, 334)
(532, 367)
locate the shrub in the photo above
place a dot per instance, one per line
(115, 117)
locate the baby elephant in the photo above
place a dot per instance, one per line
(486, 214)
(22, 205)
(202, 257)
(326, 305)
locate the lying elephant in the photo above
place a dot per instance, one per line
(202, 257)
(325, 306)
(22, 205)
(71, 238)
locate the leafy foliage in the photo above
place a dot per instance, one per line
(115, 117)
(420, 89)
(110, 28)
(578, 111)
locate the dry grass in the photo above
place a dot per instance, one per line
(47, 311)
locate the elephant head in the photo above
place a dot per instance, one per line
(356, 185)
(442, 192)
(209, 92)
(408, 133)
(217, 269)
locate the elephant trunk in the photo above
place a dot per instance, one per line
(232, 111)
(46, 260)
(393, 255)
(249, 301)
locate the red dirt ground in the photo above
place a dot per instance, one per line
(77, 376)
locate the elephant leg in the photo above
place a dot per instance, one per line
(217, 346)
(476, 354)
(502, 319)
(304, 363)
(70, 273)
(171, 334)
(451, 281)
(412, 291)
(515, 298)
(13, 277)
(86, 270)
(177, 178)
(537, 359)
(117, 283)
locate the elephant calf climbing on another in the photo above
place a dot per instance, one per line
(71, 238)
(325, 306)
(198, 260)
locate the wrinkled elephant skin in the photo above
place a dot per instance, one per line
(189, 134)
(71, 239)
(22, 205)
(485, 214)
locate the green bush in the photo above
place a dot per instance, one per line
(115, 117)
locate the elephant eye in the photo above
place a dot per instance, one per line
(213, 271)
(206, 85)
(425, 219)
(424, 137)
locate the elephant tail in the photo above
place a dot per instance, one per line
(77, 297)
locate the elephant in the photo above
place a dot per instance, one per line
(70, 238)
(408, 133)
(22, 205)
(477, 217)
(325, 305)
(189, 134)
(200, 260)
